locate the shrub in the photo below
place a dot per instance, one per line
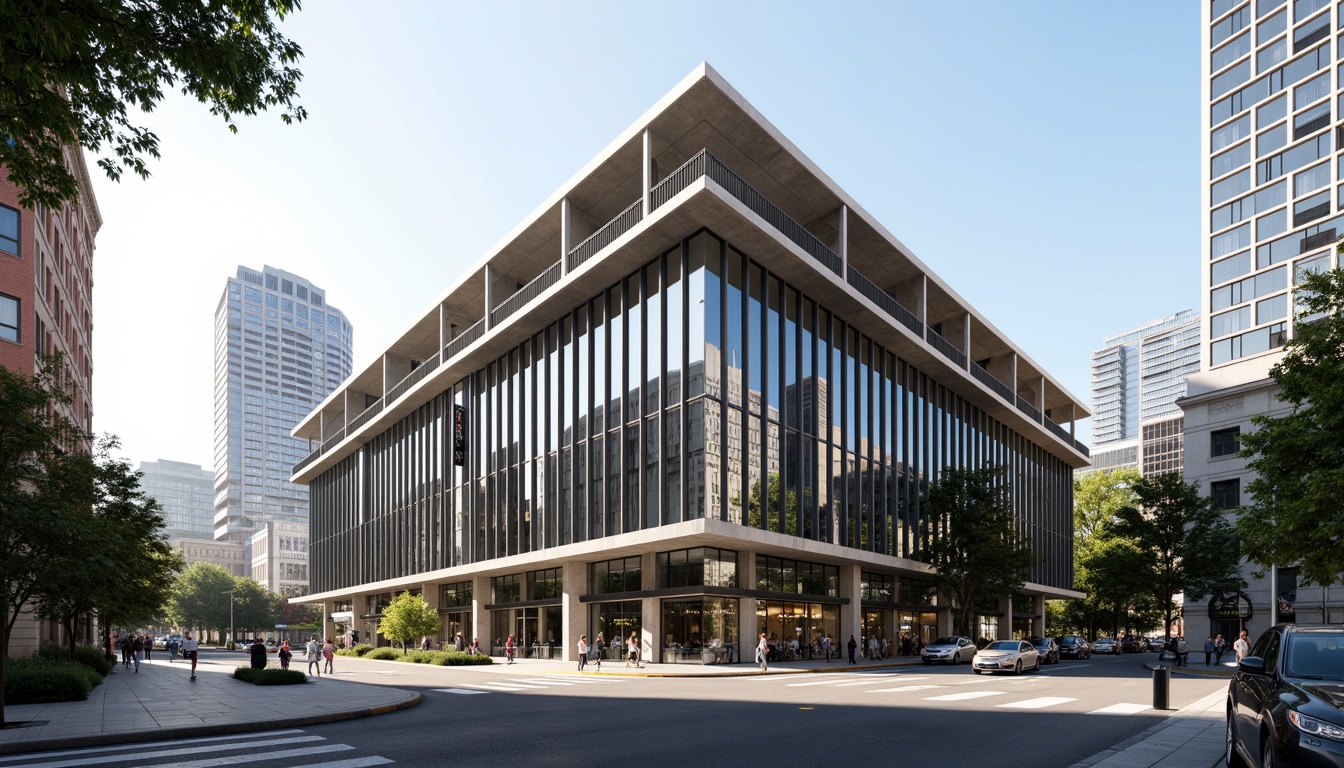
(86, 655)
(269, 676)
(36, 680)
(383, 654)
(363, 649)
(457, 659)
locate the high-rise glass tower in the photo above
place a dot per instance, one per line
(185, 493)
(279, 349)
(1136, 377)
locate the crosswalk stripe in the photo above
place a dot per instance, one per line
(511, 685)
(884, 679)
(457, 690)
(498, 686)
(173, 743)
(904, 688)
(814, 682)
(358, 762)
(1039, 703)
(965, 695)
(156, 752)
(1119, 709)
(259, 756)
(544, 680)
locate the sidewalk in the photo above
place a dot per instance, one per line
(160, 702)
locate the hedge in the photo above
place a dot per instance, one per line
(269, 676)
(439, 658)
(384, 654)
(359, 650)
(35, 680)
(84, 654)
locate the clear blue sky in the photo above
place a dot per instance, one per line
(1042, 157)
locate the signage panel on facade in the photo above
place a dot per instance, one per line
(459, 436)
(1230, 607)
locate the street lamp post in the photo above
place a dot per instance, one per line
(232, 639)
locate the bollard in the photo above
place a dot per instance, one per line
(1161, 687)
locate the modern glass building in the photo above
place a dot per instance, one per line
(1136, 377)
(1272, 98)
(694, 396)
(186, 494)
(279, 349)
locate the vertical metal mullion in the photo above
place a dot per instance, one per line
(723, 381)
(683, 441)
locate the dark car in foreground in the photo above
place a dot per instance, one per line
(1285, 699)
(1047, 648)
(1074, 647)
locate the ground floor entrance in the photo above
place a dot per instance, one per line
(536, 631)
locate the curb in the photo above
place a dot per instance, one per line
(751, 671)
(159, 734)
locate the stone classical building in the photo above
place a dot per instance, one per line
(694, 396)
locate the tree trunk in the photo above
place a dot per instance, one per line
(5, 626)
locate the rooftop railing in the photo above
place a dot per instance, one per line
(1028, 408)
(366, 416)
(306, 460)
(403, 386)
(464, 339)
(1082, 448)
(1060, 432)
(943, 345)
(991, 381)
(677, 180)
(605, 236)
(526, 294)
(885, 302)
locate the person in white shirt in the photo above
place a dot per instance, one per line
(583, 652)
(762, 648)
(311, 649)
(1242, 647)
(189, 649)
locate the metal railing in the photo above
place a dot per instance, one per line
(1082, 448)
(464, 339)
(885, 302)
(1060, 432)
(331, 441)
(1028, 408)
(525, 294)
(306, 460)
(603, 237)
(991, 381)
(403, 386)
(943, 345)
(677, 180)
(363, 418)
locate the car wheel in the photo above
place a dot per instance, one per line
(977, 671)
(1017, 669)
(1037, 668)
(1230, 754)
(956, 659)
(1268, 758)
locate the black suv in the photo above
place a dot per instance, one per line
(1074, 646)
(1284, 702)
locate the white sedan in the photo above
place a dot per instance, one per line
(1007, 656)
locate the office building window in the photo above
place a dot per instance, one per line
(9, 318)
(9, 230)
(1225, 442)
(1226, 494)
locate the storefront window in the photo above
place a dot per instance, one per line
(612, 576)
(794, 630)
(508, 589)
(700, 566)
(917, 592)
(774, 574)
(455, 595)
(700, 630)
(544, 584)
(987, 629)
(613, 620)
(914, 631)
(536, 631)
(878, 587)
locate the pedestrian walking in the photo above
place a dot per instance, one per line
(762, 650)
(149, 645)
(190, 646)
(110, 647)
(1209, 649)
(508, 649)
(126, 651)
(826, 647)
(257, 653)
(329, 653)
(424, 643)
(1182, 652)
(137, 646)
(475, 646)
(285, 655)
(459, 644)
(617, 651)
(583, 652)
(312, 651)
(1219, 647)
(853, 646)
(632, 651)
(1242, 646)
(170, 645)
(598, 648)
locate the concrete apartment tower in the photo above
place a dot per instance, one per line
(46, 306)
(279, 350)
(1136, 377)
(1271, 145)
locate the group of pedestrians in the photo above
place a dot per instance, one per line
(318, 654)
(1214, 647)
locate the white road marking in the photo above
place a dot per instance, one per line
(904, 688)
(544, 680)
(500, 686)
(258, 757)
(1041, 703)
(155, 752)
(1119, 709)
(358, 762)
(965, 695)
(161, 744)
(458, 690)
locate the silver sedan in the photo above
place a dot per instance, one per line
(1007, 656)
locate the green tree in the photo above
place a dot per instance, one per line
(1185, 544)
(114, 563)
(199, 598)
(973, 540)
(407, 618)
(255, 609)
(34, 437)
(73, 68)
(1097, 497)
(1296, 514)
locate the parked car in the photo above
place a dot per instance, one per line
(1047, 648)
(1105, 645)
(949, 650)
(1074, 646)
(1283, 704)
(1156, 644)
(1007, 656)
(1132, 644)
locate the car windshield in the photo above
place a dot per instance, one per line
(1316, 656)
(946, 641)
(1003, 645)
(1039, 641)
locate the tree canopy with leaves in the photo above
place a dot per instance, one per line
(72, 70)
(1296, 510)
(407, 618)
(1185, 543)
(973, 540)
(199, 598)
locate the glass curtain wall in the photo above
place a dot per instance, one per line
(700, 384)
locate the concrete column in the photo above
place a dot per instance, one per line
(923, 303)
(444, 325)
(1014, 384)
(748, 625)
(1040, 395)
(489, 295)
(480, 617)
(566, 235)
(844, 236)
(1073, 421)
(1038, 624)
(945, 622)
(966, 335)
(851, 613)
(651, 615)
(646, 170)
(574, 614)
(1006, 621)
